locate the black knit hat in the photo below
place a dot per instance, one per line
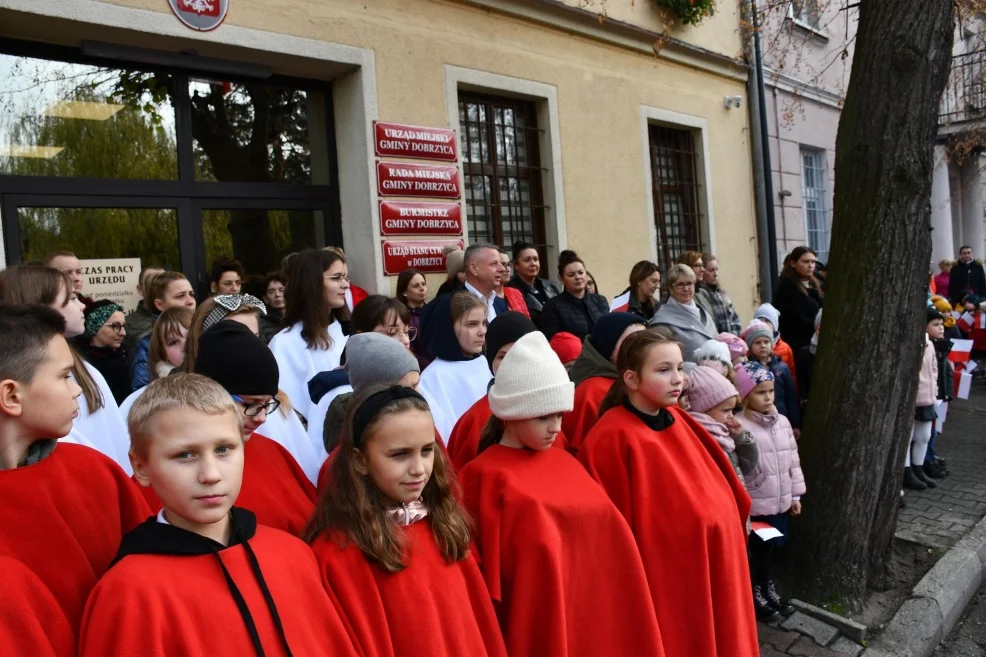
(232, 356)
(933, 315)
(607, 331)
(506, 328)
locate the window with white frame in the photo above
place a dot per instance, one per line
(807, 12)
(815, 201)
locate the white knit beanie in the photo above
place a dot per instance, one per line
(531, 382)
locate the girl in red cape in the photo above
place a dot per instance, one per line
(392, 542)
(682, 500)
(594, 372)
(558, 558)
(504, 331)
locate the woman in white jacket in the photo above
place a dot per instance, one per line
(315, 309)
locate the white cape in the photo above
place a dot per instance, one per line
(105, 430)
(298, 364)
(451, 388)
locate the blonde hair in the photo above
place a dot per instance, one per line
(678, 272)
(198, 321)
(176, 392)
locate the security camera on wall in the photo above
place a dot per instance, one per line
(733, 101)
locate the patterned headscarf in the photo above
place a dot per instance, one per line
(97, 314)
(230, 303)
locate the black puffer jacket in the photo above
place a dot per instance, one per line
(568, 313)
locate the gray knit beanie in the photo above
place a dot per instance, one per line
(376, 358)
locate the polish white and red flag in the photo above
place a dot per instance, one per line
(968, 321)
(961, 351)
(621, 303)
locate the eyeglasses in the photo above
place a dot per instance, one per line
(252, 410)
(411, 332)
(116, 327)
(337, 278)
(684, 286)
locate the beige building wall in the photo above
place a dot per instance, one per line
(596, 88)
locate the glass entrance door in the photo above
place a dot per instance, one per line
(111, 236)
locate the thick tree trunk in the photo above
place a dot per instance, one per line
(863, 393)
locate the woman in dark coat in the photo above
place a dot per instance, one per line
(527, 267)
(576, 309)
(798, 297)
(102, 345)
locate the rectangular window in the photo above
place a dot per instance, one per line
(813, 178)
(807, 12)
(675, 188)
(502, 169)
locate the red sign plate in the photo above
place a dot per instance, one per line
(428, 180)
(411, 218)
(402, 140)
(425, 256)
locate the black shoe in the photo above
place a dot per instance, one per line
(765, 612)
(935, 471)
(911, 480)
(783, 607)
(940, 461)
(918, 471)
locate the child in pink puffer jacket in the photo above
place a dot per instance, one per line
(776, 485)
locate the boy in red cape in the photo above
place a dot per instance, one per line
(681, 497)
(558, 558)
(65, 507)
(392, 541)
(275, 487)
(202, 579)
(594, 373)
(504, 331)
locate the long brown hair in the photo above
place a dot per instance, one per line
(167, 324)
(352, 505)
(31, 285)
(403, 281)
(491, 434)
(632, 358)
(304, 297)
(791, 272)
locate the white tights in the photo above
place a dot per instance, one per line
(918, 447)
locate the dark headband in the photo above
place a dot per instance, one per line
(376, 403)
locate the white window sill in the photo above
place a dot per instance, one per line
(815, 33)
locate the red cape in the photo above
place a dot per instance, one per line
(463, 443)
(31, 622)
(64, 518)
(588, 398)
(161, 605)
(431, 608)
(687, 510)
(558, 558)
(274, 487)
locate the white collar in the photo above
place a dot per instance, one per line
(476, 293)
(161, 519)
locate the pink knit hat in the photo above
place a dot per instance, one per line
(737, 347)
(708, 389)
(749, 375)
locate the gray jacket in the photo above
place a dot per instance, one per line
(687, 329)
